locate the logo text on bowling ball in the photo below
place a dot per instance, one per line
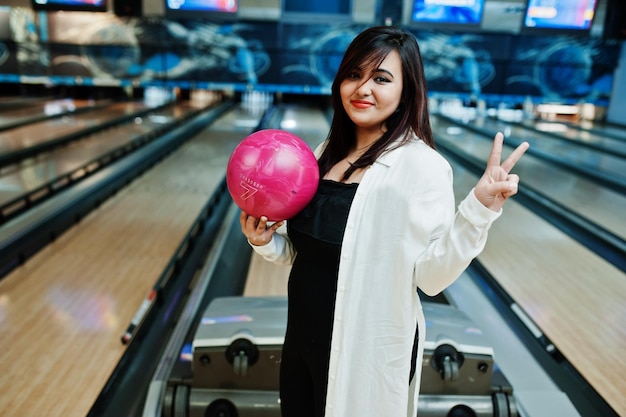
(250, 187)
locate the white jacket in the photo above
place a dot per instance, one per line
(402, 233)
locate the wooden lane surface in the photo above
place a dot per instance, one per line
(63, 312)
(574, 296)
(265, 278)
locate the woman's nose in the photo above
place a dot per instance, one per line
(365, 88)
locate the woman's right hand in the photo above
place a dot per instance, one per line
(257, 231)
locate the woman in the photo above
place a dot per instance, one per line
(381, 225)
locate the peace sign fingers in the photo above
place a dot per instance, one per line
(496, 154)
(497, 184)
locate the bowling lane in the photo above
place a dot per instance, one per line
(62, 313)
(602, 206)
(571, 294)
(16, 115)
(595, 127)
(22, 137)
(36, 172)
(599, 138)
(618, 132)
(12, 101)
(565, 150)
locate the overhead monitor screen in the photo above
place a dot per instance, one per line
(202, 8)
(447, 12)
(316, 10)
(574, 15)
(77, 5)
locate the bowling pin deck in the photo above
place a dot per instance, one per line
(236, 359)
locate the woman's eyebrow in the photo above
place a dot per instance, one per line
(383, 70)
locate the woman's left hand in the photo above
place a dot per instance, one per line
(497, 184)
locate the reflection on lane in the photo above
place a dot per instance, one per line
(38, 133)
(33, 173)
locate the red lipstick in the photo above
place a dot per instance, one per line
(361, 104)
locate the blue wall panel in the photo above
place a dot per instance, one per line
(85, 48)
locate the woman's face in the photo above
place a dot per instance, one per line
(369, 98)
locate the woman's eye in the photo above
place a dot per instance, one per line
(381, 80)
(354, 76)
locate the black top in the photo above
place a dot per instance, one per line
(316, 233)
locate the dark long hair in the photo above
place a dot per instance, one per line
(366, 52)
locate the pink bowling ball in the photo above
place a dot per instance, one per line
(272, 173)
